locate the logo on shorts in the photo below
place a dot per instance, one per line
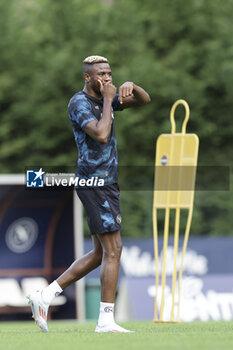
(108, 309)
(118, 219)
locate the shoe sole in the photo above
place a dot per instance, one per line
(108, 332)
(112, 331)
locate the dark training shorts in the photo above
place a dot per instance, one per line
(102, 205)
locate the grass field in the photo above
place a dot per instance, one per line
(72, 335)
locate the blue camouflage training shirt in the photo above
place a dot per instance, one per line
(95, 159)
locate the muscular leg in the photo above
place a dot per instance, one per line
(112, 247)
(82, 266)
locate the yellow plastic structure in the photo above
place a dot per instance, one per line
(176, 160)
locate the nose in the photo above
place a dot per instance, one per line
(107, 78)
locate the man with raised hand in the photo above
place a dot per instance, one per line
(91, 115)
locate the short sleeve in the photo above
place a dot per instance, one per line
(81, 113)
(116, 106)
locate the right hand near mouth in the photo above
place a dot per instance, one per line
(108, 90)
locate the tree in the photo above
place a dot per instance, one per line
(174, 49)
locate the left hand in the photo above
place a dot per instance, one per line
(125, 90)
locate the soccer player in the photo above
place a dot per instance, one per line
(91, 115)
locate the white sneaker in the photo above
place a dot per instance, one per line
(111, 328)
(39, 309)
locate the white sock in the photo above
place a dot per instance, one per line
(50, 292)
(106, 315)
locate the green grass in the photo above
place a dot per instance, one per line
(72, 335)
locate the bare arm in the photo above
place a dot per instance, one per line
(100, 130)
(131, 95)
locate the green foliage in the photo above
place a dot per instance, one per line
(174, 49)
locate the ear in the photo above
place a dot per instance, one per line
(87, 77)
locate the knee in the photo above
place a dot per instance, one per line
(114, 253)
